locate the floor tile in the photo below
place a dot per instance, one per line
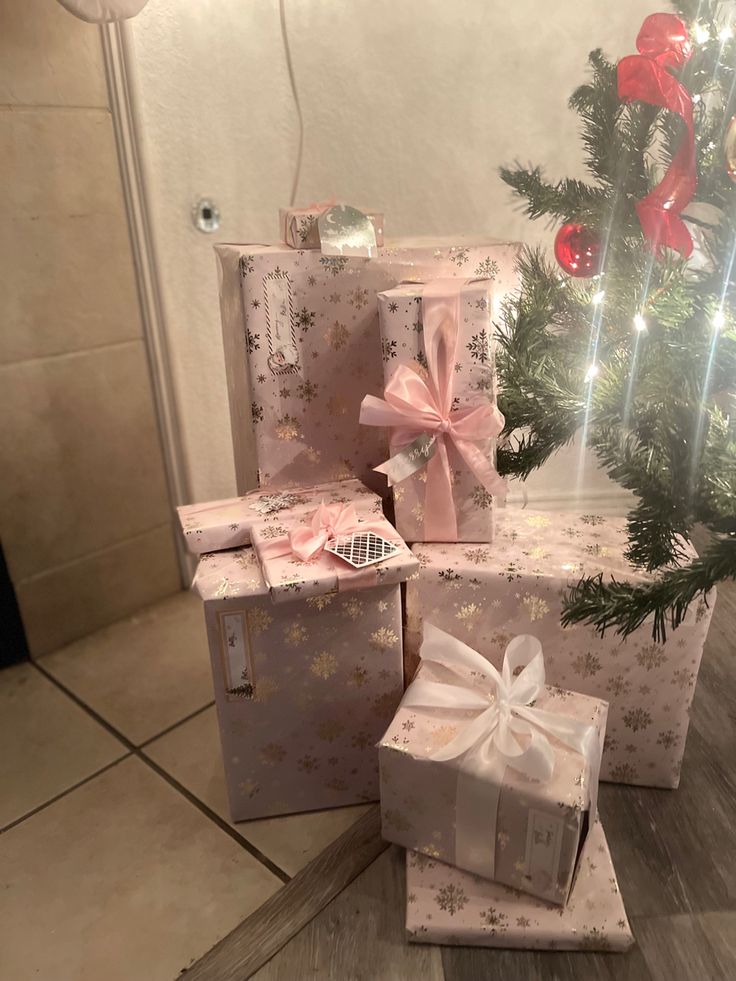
(121, 879)
(145, 673)
(77, 599)
(191, 754)
(48, 742)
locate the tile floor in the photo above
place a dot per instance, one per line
(117, 856)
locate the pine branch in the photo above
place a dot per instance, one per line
(625, 606)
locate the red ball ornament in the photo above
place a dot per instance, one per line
(578, 250)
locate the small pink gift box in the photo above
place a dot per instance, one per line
(299, 227)
(448, 906)
(492, 772)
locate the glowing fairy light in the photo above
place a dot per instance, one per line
(725, 33)
(719, 319)
(701, 33)
(597, 298)
(640, 323)
(591, 373)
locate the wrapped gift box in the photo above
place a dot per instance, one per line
(473, 382)
(217, 525)
(299, 226)
(302, 348)
(448, 906)
(484, 815)
(485, 596)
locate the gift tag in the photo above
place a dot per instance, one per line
(343, 230)
(271, 503)
(362, 548)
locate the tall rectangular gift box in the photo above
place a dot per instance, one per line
(302, 348)
(448, 906)
(306, 653)
(441, 331)
(494, 773)
(486, 596)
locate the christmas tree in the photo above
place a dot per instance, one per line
(636, 344)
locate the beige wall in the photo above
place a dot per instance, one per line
(409, 106)
(84, 513)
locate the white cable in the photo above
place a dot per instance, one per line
(297, 105)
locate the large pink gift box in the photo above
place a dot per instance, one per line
(486, 595)
(448, 906)
(306, 663)
(448, 791)
(302, 348)
(402, 319)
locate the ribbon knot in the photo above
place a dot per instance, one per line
(423, 420)
(663, 43)
(328, 522)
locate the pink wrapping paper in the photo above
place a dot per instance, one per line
(302, 348)
(288, 577)
(303, 689)
(485, 596)
(448, 906)
(299, 226)
(217, 525)
(400, 317)
(538, 826)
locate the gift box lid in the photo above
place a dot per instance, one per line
(290, 577)
(234, 574)
(446, 905)
(225, 524)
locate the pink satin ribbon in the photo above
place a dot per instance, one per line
(328, 521)
(413, 406)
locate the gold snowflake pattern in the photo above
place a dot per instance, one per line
(352, 607)
(467, 613)
(538, 521)
(337, 336)
(451, 899)
(248, 788)
(362, 740)
(288, 428)
(337, 784)
(586, 665)
(478, 556)
(536, 607)
(651, 656)
(312, 454)
(266, 689)
(337, 406)
(320, 602)
(324, 665)
(328, 730)
(296, 634)
(396, 820)
(383, 639)
(494, 919)
(358, 676)
(636, 719)
(307, 763)
(272, 753)
(259, 619)
(623, 773)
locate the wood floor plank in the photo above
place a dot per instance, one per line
(476, 964)
(241, 953)
(360, 935)
(680, 948)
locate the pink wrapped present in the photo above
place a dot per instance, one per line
(302, 348)
(448, 906)
(304, 687)
(217, 525)
(486, 596)
(439, 402)
(299, 228)
(492, 771)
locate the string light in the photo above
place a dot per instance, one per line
(597, 298)
(640, 323)
(725, 33)
(591, 373)
(719, 319)
(701, 33)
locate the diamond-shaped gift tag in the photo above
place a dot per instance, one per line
(362, 548)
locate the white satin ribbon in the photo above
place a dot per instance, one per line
(489, 743)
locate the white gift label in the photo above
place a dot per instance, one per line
(283, 353)
(236, 656)
(543, 843)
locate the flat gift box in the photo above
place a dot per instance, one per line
(299, 228)
(402, 341)
(530, 831)
(448, 906)
(217, 525)
(302, 347)
(304, 688)
(485, 596)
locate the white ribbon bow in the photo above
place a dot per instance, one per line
(489, 743)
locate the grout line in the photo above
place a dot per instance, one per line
(77, 353)
(168, 729)
(172, 781)
(63, 793)
(45, 106)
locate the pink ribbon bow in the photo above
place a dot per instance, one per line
(328, 521)
(423, 420)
